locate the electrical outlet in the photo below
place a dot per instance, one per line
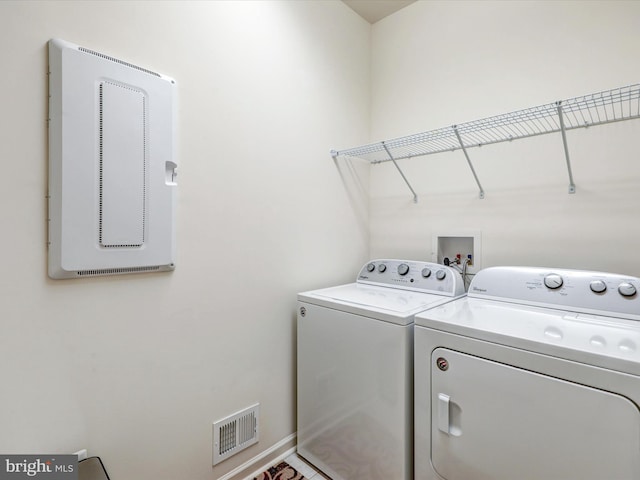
(82, 454)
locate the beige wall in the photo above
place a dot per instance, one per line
(135, 368)
(437, 63)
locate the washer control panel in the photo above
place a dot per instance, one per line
(413, 275)
(574, 290)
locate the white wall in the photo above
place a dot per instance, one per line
(135, 368)
(437, 63)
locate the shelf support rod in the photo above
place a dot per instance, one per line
(415, 197)
(473, 170)
(572, 186)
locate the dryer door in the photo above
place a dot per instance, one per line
(491, 421)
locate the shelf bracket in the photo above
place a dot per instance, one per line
(415, 197)
(464, 150)
(572, 186)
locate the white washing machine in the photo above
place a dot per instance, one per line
(535, 375)
(355, 368)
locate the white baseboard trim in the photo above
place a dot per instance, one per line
(275, 461)
(264, 460)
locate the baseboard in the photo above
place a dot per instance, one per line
(258, 464)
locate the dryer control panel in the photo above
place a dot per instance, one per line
(413, 275)
(574, 290)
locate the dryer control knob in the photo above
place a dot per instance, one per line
(403, 269)
(598, 286)
(371, 267)
(440, 274)
(553, 281)
(627, 289)
(382, 267)
(426, 272)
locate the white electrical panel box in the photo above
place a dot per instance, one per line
(112, 165)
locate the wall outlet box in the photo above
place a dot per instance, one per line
(452, 246)
(112, 165)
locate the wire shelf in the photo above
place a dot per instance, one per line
(595, 109)
(580, 112)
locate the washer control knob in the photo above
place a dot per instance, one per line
(371, 267)
(426, 272)
(382, 267)
(403, 269)
(627, 289)
(440, 274)
(553, 281)
(598, 286)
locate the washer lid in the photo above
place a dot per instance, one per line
(388, 304)
(592, 339)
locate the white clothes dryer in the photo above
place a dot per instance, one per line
(355, 368)
(535, 375)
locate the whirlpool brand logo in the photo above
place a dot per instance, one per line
(50, 467)
(476, 289)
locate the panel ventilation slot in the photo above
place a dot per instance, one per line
(127, 64)
(117, 271)
(122, 155)
(233, 434)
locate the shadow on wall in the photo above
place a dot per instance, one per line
(354, 174)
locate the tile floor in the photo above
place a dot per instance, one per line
(304, 468)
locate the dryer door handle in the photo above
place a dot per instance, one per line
(443, 413)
